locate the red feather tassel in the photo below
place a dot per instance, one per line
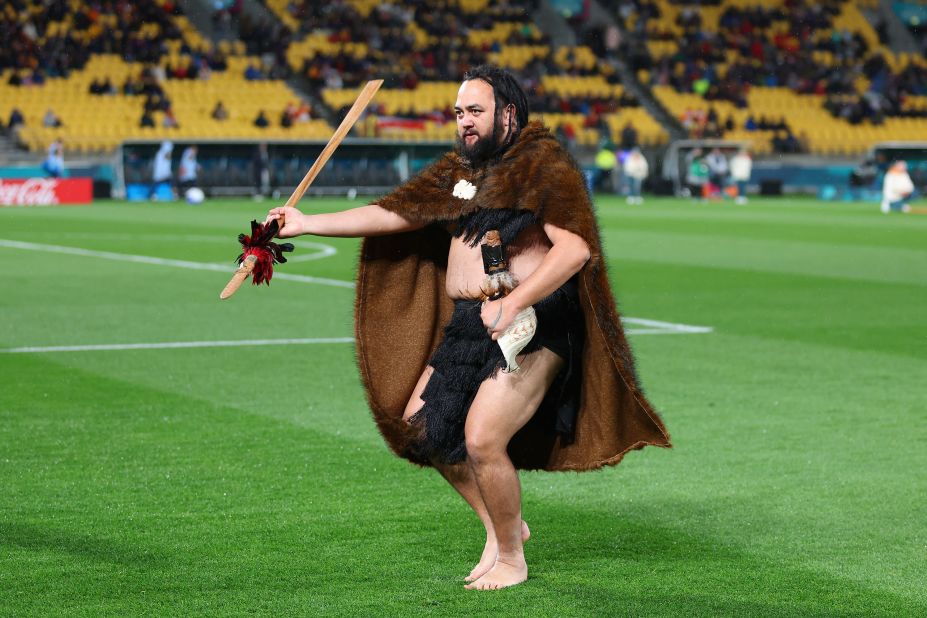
(261, 245)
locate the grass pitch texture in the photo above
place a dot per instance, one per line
(250, 480)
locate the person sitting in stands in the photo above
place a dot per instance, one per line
(51, 119)
(261, 121)
(16, 119)
(147, 120)
(169, 121)
(219, 112)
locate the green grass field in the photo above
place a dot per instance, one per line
(250, 480)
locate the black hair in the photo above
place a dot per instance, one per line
(507, 91)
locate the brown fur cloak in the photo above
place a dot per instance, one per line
(401, 304)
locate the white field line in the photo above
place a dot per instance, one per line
(652, 327)
(173, 345)
(321, 250)
(662, 328)
(144, 259)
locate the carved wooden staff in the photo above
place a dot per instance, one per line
(248, 262)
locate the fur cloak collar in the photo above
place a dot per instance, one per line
(401, 304)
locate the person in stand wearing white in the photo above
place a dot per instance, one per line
(636, 169)
(897, 188)
(54, 162)
(186, 174)
(741, 168)
(162, 174)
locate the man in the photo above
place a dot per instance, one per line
(445, 401)
(54, 162)
(897, 188)
(636, 169)
(187, 172)
(741, 169)
(162, 176)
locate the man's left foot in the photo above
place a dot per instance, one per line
(491, 552)
(502, 575)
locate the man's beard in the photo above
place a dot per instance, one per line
(484, 149)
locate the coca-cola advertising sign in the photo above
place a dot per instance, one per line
(45, 191)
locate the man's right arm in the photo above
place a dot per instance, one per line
(371, 220)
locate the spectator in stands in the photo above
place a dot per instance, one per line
(286, 117)
(16, 119)
(161, 171)
(566, 135)
(131, 87)
(188, 170)
(261, 121)
(628, 137)
(897, 188)
(303, 113)
(169, 121)
(717, 170)
(219, 112)
(51, 119)
(147, 120)
(741, 169)
(54, 162)
(785, 142)
(252, 73)
(636, 170)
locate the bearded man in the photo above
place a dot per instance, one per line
(438, 384)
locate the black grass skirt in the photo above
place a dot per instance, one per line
(467, 357)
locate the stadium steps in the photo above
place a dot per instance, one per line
(598, 15)
(899, 38)
(11, 154)
(552, 23)
(199, 13)
(300, 85)
(649, 102)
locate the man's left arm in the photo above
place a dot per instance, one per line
(567, 255)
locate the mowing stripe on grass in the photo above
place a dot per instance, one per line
(660, 328)
(145, 259)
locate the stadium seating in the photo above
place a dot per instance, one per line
(688, 43)
(702, 64)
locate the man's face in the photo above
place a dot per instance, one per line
(478, 134)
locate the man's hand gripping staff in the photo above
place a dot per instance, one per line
(259, 253)
(499, 282)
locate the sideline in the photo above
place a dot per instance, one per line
(171, 345)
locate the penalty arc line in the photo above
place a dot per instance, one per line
(145, 259)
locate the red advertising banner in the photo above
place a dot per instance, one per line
(45, 191)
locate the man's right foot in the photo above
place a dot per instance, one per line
(490, 552)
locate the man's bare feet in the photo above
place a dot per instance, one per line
(490, 552)
(507, 571)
